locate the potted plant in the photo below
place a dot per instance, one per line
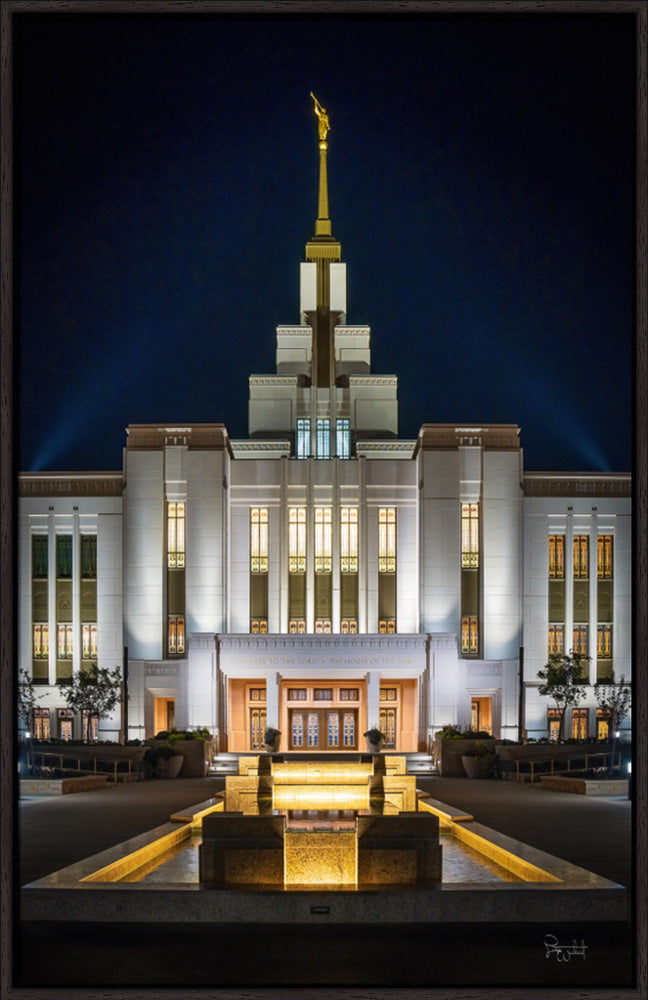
(478, 763)
(375, 739)
(168, 763)
(271, 739)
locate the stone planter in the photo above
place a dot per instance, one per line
(450, 752)
(169, 768)
(374, 747)
(584, 786)
(196, 755)
(478, 767)
(272, 747)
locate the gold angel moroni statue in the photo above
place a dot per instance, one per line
(323, 118)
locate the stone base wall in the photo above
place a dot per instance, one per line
(61, 786)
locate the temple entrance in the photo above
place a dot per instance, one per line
(481, 714)
(323, 729)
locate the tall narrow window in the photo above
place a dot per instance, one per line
(470, 535)
(386, 539)
(580, 637)
(65, 642)
(343, 437)
(297, 539)
(554, 716)
(349, 539)
(556, 557)
(176, 635)
(41, 641)
(581, 557)
(556, 642)
(604, 642)
(89, 641)
(176, 535)
(469, 635)
(41, 724)
(604, 557)
(323, 437)
(89, 557)
(303, 449)
(323, 539)
(64, 557)
(39, 557)
(258, 539)
(579, 723)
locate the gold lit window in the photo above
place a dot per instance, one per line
(323, 539)
(257, 727)
(349, 539)
(602, 725)
(604, 642)
(176, 535)
(258, 539)
(296, 694)
(469, 635)
(580, 640)
(89, 641)
(604, 552)
(297, 539)
(386, 539)
(581, 557)
(556, 557)
(176, 643)
(259, 626)
(387, 626)
(322, 627)
(65, 641)
(41, 724)
(388, 694)
(323, 694)
(554, 716)
(349, 626)
(41, 641)
(579, 723)
(556, 642)
(349, 694)
(297, 626)
(469, 535)
(257, 694)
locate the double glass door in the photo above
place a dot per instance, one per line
(323, 728)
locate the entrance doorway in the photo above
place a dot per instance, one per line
(481, 714)
(323, 728)
(163, 714)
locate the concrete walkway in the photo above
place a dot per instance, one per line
(595, 833)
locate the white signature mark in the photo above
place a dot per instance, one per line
(563, 952)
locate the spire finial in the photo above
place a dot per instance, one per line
(322, 224)
(324, 126)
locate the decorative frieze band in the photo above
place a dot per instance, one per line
(45, 484)
(594, 485)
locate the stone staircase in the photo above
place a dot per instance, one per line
(223, 764)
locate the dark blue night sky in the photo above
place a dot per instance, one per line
(481, 186)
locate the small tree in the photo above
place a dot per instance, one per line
(27, 700)
(96, 692)
(614, 702)
(562, 680)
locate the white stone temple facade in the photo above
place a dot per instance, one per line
(323, 575)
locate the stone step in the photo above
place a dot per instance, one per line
(227, 763)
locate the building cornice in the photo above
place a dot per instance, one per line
(79, 484)
(260, 449)
(373, 380)
(566, 484)
(385, 449)
(256, 380)
(154, 436)
(496, 437)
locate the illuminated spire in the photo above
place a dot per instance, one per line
(323, 246)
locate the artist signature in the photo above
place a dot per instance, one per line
(563, 952)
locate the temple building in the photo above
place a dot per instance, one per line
(323, 575)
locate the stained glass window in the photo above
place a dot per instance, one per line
(297, 626)
(258, 539)
(349, 539)
(349, 626)
(257, 694)
(388, 694)
(312, 729)
(604, 642)
(41, 723)
(297, 729)
(41, 641)
(257, 727)
(554, 716)
(580, 637)
(387, 626)
(343, 437)
(323, 539)
(303, 437)
(176, 535)
(176, 633)
(579, 723)
(386, 539)
(333, 729)
(469, 535)
(65, 717)
(39, 557)
(348, 729)
(89, 641)
(322, 627)
(259, 626)
(556, 642)
(604, 552)
(581, 557)
(64, 556)
(323, 694)
(296, 694)
(65, 642)
(469, 635)
(323, 437)
(388, 726)
(90, 725)
(556, 557)
(602, 725)
(89, 557)
(297, 539)
(349, 694)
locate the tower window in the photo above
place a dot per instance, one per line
(176, 635)
(176, 535)
(89, 557)
(580, 636)
(343, 437)
(604, 557)
(303, 437)
(604, 642)
(41, 641)
(89, 641)
(556, 642)
(581, 557)
(323, 437)
(469, 535)
(469, 635)
(39, 557)
(65, 642)
(64, 557)
(258, 539)
(349, 539)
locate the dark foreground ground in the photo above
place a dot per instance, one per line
(595, 834)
